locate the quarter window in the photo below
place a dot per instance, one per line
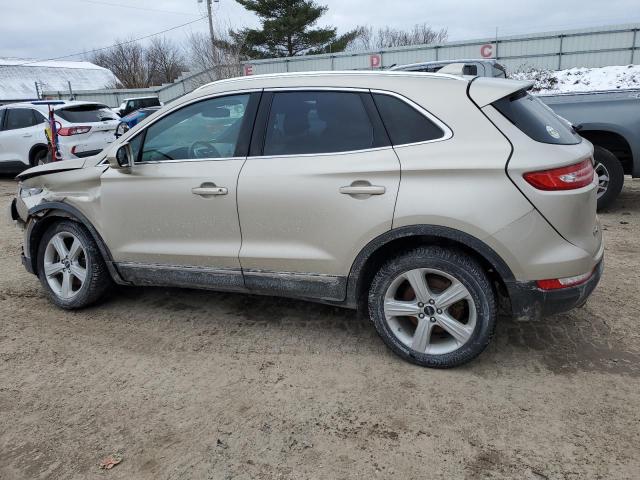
(404, 123)
(314, 122)
(207, 129)
(536, 119)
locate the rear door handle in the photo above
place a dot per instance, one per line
(209, 190)
(363, 190)
(27, 135)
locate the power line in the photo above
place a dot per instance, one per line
(114, 45)
(137, 8)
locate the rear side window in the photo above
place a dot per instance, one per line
(536, 120)
(39, 117)
(312, 122)
(150, 102)
(86, 113)
(404, 123)
(2, 117)
(470, 69)
(19, 118)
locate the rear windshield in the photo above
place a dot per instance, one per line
(86, 113)
(536, 120)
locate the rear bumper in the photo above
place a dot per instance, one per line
(528, 302)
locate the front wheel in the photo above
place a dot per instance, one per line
(70, 266)
(433, 306)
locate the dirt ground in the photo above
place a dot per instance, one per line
(200, 385)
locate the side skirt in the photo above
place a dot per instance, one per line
(229, 280)
(324, 288)
(314, 287)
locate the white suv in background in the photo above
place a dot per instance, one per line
(85, 128)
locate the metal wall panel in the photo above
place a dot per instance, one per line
(350, 62)
(403, 57)
(590, 47)
(598, 41)
(544, 50)
(596, 59)
(525, 48)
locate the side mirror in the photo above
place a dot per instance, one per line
(123, 158)
(121, 129)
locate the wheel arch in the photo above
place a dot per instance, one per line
(613, 140)
(34, 149)
(46, 214)
(384, 246)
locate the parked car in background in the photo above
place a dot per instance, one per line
(131, 120)
(132, 104)
(84, 129)
(496, 201)
(610, 120)
(481, 68)
(23, 143)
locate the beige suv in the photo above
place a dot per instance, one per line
(422, 199)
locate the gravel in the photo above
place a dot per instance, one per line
(187, 384)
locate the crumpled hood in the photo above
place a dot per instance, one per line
(55, 167)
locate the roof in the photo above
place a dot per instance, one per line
(329, 74)
(57, 104)
(18, 77)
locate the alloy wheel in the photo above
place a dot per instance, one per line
(65, 264)
(430, 311)
(603, 179)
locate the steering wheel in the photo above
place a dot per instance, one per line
(202, 149)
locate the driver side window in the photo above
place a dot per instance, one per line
(203, 130)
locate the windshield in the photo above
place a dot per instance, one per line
(86, 113)
(536, 120)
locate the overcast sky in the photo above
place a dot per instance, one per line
(41, 29)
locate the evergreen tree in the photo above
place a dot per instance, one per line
(287, 29)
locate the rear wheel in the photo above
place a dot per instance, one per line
(40, 157)
(70, 266)
(610, 176)
(433, 306)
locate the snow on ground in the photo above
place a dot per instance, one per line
(582, 79)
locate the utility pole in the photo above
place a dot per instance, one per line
(210, 14)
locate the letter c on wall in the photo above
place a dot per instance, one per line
(486, 51)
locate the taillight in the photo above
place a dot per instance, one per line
(564, 178)
(557, 283)
(68, 131)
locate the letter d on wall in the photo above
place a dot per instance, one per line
(375, 61)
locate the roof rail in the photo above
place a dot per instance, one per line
(48, 102)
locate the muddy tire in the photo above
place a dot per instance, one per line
(70, 266)
(433, 306)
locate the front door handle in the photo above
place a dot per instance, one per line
(209, 189)
(363, 188)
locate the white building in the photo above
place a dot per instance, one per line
(26, 79)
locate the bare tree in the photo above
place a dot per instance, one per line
(138, 66)
(127, 61)
(165, 60)
(420, 34)
(218, 59)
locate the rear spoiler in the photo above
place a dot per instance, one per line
(485, 90)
